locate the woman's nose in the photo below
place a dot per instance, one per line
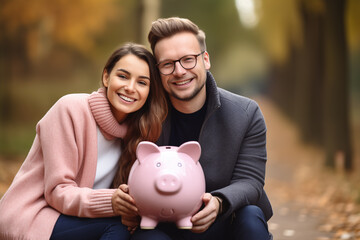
(130, 86)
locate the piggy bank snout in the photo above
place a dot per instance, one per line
(168, 182)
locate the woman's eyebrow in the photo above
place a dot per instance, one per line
(122, 70)
(127, 72)
(146, 77)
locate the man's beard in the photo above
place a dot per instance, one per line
(188, 98)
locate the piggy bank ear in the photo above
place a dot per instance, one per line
(145, 148)
(192, 149)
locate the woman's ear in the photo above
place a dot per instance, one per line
(105, 78)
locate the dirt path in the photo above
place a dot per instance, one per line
(292, 219)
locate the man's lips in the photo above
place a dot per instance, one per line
(182, 82)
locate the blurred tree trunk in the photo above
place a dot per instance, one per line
(139, 12)
(4, 80)
(281, 82)
(13, 63)
(297, 84)
(312, 85)
(151, 11)
(309, 76)
(146, 12)
(336, 112)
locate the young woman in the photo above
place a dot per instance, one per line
(63, 189)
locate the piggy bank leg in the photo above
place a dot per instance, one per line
(147, 223)
(184, 223)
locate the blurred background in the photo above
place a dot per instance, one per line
(303, 56)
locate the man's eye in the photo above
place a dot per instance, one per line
(167, 65)
(187, 60)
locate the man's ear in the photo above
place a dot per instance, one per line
(105, 78)
(207, 60)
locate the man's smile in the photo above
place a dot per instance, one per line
(182, 82)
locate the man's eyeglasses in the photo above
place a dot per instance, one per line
(188, 62)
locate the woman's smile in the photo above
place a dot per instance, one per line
(126, 98)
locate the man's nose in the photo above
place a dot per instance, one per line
(179, 70)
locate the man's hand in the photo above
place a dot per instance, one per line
(204, 218)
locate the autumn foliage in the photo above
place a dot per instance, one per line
(41, 23)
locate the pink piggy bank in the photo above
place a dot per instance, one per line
(167, 183)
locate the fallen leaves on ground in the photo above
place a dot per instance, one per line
(321, 191)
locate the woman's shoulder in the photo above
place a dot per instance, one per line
(72, 101)
(69, 105)
(73, 98)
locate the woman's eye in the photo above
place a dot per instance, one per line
(122, 76)
(143, 83)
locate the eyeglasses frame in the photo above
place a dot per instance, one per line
(179, 60)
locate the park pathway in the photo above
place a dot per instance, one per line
(292, 220)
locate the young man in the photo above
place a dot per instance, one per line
(230, 129)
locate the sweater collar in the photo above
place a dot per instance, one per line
(100, 108)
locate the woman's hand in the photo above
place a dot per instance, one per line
(131, 223)
(124, 205)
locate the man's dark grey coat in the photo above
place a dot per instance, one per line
(233, 149)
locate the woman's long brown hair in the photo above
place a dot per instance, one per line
(144, 124)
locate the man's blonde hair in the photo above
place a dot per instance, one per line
(166, 27)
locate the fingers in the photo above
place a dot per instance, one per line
(204, 218)
(132, 229)
(203, 223)
(207, 198)
(124, 193)
(123, 204)
(124, 188)
(131, 223)
(201, 226)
